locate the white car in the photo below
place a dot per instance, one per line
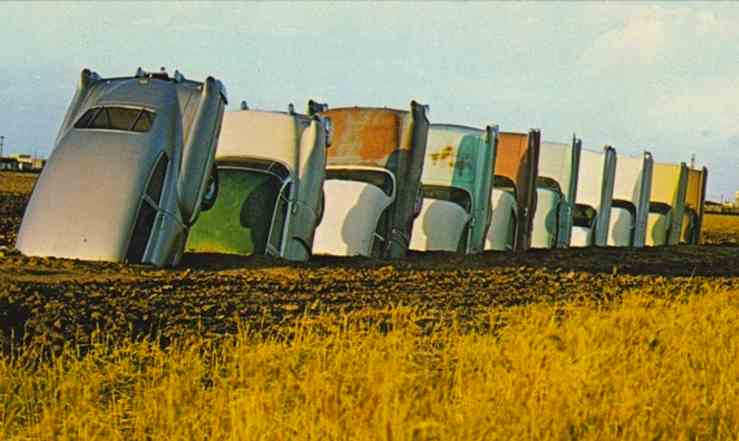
(270, 169)
(594, 193)
(556, 188)
(128, 172)
(372, 188)
(514, 191)
(630, 205)
(457, 180)
(667, 204)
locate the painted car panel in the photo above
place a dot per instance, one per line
(558, 163)
(354, 206)
(630, 206)
(461, 158)
(595, 191)
(91, 200)
(390, 140)
(501, 235)
(291, 149)
(516, 163)
(667, 204)
(440, 226)
(547, 218)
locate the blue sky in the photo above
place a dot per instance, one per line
(662, 77)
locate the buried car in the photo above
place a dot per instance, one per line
(594, 193)
(456, 183)
(372, 187)
(128, 172)
(556, 189)
(630, 203)
(270, 169)
(666, 204)
(695, 198)
(514, 191)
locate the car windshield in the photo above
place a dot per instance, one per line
(584, 216)
(451, 194)
(241, 217)
(125, 119)
(659, 207)
(380, 179)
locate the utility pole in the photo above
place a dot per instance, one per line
(692, 161)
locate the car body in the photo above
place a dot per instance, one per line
(456, 181)
(514, 191)
(666, 204)
(128, 172)
(271, 167)
(594, 193)
(556, 190)
(630, 203)
(372, 187)
(695, 198)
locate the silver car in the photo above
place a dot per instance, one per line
(129, 170)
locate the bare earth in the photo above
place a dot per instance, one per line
(52, 302)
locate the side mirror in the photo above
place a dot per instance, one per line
(211, 190)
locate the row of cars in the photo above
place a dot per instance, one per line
(148, 167)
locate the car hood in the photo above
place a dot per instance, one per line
(85, 202)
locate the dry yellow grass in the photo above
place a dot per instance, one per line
(720, 228)
(641, 368)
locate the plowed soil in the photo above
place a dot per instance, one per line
(52, 302)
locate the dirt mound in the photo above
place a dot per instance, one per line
(52, 302)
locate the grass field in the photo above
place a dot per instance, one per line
(721, 229)
(566, 344)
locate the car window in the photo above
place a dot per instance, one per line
(143, 123)
(121, 118)
(379, 179)
(584, 216)
(126, 119)
(156, 183)
(101, 120)
(659, 207)
(241, 217)
(451, 194)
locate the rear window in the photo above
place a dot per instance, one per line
(125, 119)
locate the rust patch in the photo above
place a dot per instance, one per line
(512, 148)
(366, 134)
(695, 187)
(449, 154)
(444, 154)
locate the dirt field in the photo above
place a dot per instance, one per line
(53, 301)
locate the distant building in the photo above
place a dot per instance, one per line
(29, 163)
(22, 163)
(736, 201)
(9, 164)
